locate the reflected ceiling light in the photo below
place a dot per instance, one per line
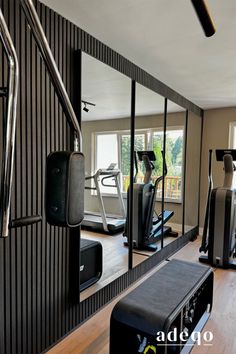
(204, 17)
(85, 108)
(85, 105)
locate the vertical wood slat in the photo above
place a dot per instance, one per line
(2, 263)
(12, 28)
(34, 191)
(7, 269)
(38, 244)
(2, 299)
(28, 182)
(41, 309)
(22, 190)
(18, 174)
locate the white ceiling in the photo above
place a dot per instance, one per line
(164, 38)
(111, 92)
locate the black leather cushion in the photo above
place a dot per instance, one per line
(65, 188)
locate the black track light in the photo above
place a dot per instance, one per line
(204, 17)
(85, 108)
(85, 105)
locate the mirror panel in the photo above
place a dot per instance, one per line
(106, 101)
(174, 179)
(149, 118)
(192, 179)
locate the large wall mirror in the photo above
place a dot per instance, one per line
(165, 136)
(147, 194)
(192, 179)
(106, 102)
(174, 173)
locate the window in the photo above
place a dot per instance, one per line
(232, 143)
(114, 147)
(139, 144)
(106, 153)
(174, 158)
(232, 135)
(106, 150)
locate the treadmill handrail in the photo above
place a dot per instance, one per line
(104, 172)
(42, 43)
(107, 174)
(10, 131)
(108, 185)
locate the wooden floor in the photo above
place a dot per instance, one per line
(115, 257)
(93, 336)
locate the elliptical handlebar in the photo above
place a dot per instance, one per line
(148, 167)
(162, 177)
(147, 157)
(136, 166)
(204, 245)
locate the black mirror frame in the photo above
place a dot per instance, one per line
(101, 52)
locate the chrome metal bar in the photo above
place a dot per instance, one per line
(119, 193)
(100, 200)
(41, 40)
(9, 129)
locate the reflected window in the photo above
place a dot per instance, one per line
(106, 150)
(174, 161)
(114, 147)
(106, 153)
(139, 144)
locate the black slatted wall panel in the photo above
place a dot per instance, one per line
(35, 305)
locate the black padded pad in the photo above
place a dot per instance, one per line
(148, 307)
(65, 188)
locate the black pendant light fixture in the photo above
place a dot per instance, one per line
(204, 17)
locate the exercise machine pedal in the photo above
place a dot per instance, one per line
(173, 234)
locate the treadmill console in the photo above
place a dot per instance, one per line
(149, 153)
(221, 152)
(111, 166)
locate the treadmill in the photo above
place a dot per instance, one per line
(101, 222)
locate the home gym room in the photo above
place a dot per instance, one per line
(117, 169)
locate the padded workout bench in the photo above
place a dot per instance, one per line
(177, 299)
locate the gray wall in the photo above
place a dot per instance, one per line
(215, 136)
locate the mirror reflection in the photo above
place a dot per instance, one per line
(106, 102)
(174, 172)
(148, 173)
(192, 171)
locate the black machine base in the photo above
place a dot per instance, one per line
(231, 264)
(150, 243)
(90, 263)
(177, 298)
(151, 248)
(94, 223)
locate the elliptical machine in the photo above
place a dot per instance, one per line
(147, 229)
(218, 239)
